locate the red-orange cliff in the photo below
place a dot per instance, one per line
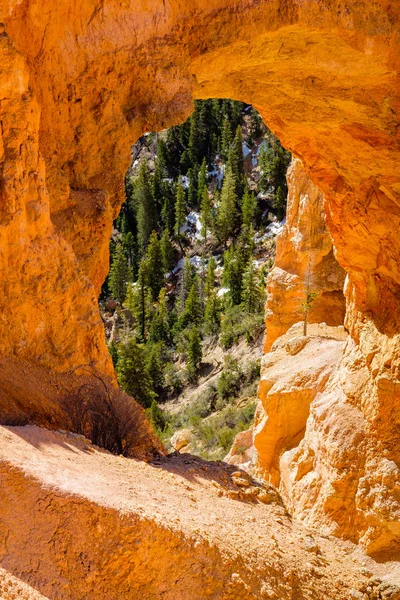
(80, 82)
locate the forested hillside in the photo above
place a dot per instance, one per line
(190, 252)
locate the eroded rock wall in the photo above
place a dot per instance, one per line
(81, 81)
(326, 411)
(305, 262)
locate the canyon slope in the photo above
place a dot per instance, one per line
(80, 82)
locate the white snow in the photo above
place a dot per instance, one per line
(192, 226)
(246, 149)
(185, 181)
(197, 261)
(272, 230)
(222, 291)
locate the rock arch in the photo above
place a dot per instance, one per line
(80, 83)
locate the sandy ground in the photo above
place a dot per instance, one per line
(203, 503)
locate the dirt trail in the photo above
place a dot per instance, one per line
(79, 523)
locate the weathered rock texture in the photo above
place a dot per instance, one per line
(304, 262)
(79, 82)
(178, 529)
(315, 439)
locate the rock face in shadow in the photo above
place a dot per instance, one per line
(80, 82)
(305, 262)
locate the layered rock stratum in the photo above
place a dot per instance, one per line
(79, 83)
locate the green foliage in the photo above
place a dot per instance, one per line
(120, 274)
(193, 311)
(170, 314)
(145, 207)
(167, 251)
(132, 372)
(155, 269)
(180, 209)
(212, 314)
(226, 138)
(230, 379)
(113, 350)
(195, 352)
(252, 291)
(274, 161)
(248, 206)
(236, 323)
(157, 417)
(210, 277)
(185, 283)
(233, 274)
(226, 217)
(236, 161)
(202, 181)
(156, 354)
(280, 203)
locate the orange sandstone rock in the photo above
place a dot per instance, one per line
(80, 82)
(304, 262)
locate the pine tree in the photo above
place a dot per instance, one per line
(233, 273)
(140, 304)
(212, 314)
(168, 208)
(186, 280)
(146, 209)
(163, 158)
(227, 209)
(155, 360)
(205, 214)
(252, 296)
(167, 251)
(193, 143)
(193, 311)
(157, 417)
(131, 251)
(210, 277)
(195, 352)
(120, 274)
(249, 205)
(280, 203)
(159, 330)
(226, 138)
(236, 160)
(202, 181)
(157, 187)
(193, 174)
(180, 211)
(132, 373)
(155, 267)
